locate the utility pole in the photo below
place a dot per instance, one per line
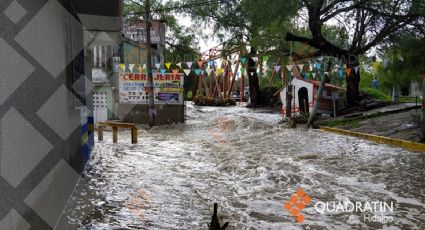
(423, 105)
(150, 88)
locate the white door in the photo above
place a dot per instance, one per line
(100, 106)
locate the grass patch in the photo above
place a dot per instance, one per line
(377, 94)
(409, 99)
(353, 122)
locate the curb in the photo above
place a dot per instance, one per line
(380, 139)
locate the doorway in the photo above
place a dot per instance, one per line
(303, 100)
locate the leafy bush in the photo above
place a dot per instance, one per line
(377, 94)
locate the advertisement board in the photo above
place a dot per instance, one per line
(168, 88)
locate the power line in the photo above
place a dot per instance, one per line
(186, 6)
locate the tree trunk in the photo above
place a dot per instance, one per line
(353, 81)
(254, 85)
(195, 88)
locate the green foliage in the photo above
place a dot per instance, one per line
(378, 94)
(181, 42)
(256, 22)
(405, 64)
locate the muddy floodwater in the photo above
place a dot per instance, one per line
(251, 166)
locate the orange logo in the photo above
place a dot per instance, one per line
(297, 203)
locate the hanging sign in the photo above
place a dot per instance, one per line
(168, 88)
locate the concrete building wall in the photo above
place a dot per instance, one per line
(166, 114)
(135, 53)
(40, 126)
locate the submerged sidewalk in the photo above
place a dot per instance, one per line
(402, 121)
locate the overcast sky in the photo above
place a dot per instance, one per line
(203, 44)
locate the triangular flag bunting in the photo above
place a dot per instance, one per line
(210, 63)
(289, 67)
(198, 71)
(179, 65)
(158, 66)
(277, 68)
(341, 72)
(163, 71)
(318, 65)
(116, 67)
(301, 67)
(168, 65)
(219, 71)
(255, 59)
(131, 67)
(209, 71)
(252, 73)
(200, 63)
(122, 67)
(189, 64)
(144, 66)
(348, 71)
(265, 58)
(243, 70)
(243, 60)
(356, 69)
(140, 69)
(314, 75)
(187, 71)
(175, 72)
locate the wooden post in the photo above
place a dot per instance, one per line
(215, 222)
(115, 134)
(233, 81)
(242, 87)
(316, 101)
(100, 133)
(134, 135)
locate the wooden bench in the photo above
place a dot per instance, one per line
(115, 126)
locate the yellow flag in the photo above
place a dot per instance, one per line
(168, 65)
(219, 71)
(122, 67)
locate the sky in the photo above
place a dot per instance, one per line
(204, 44)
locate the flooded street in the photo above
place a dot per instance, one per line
(249, 164)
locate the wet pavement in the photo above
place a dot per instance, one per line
(251, 165)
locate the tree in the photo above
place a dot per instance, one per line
(181, 43)
(241, 23)
(368, 23)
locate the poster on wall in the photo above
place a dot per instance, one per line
(168, 88)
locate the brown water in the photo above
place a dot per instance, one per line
(251, 166)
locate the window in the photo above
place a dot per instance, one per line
(103, 57)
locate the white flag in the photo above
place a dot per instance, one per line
(301, 67)
(289, 67)
(131, 67)
(187, 71)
